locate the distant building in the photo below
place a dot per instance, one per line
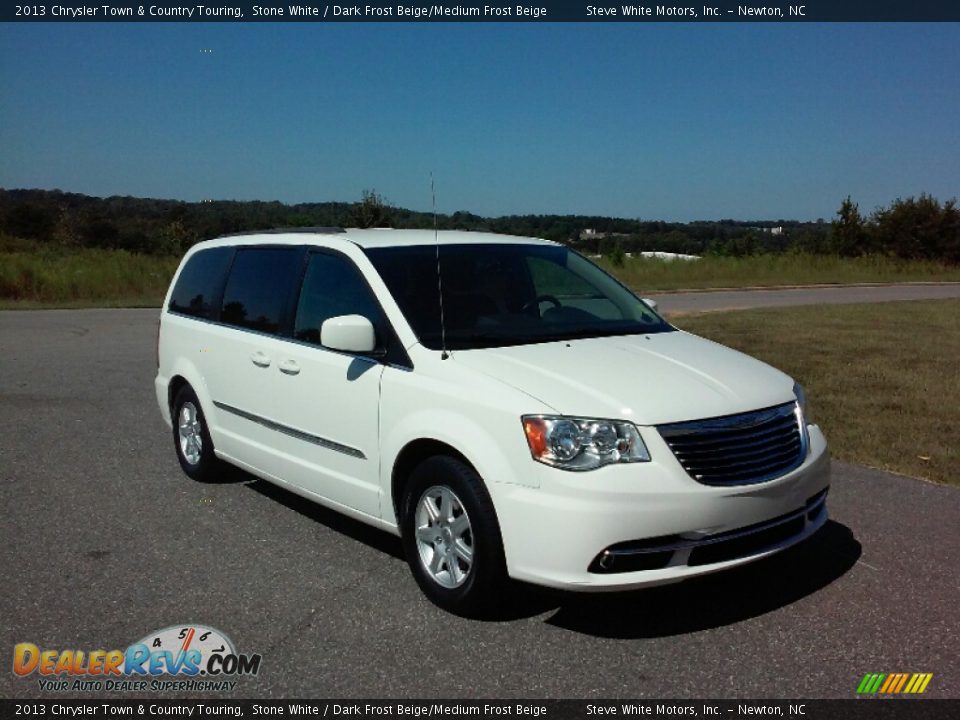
(594, 234)
(772, 230)
(665, 255)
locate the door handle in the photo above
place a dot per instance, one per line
(289, 367)
(260, 359)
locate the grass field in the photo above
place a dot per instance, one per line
(35, 275)
(651, 274)
(882, 379)
(31, 276)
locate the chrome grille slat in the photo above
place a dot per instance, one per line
(739, 461)
(721, 433)
(745, 472)
(694, 444)
(696, 455)
(739, 449)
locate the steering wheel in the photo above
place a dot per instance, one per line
(528, 306)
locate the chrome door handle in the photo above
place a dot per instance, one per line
(260, 359)
(288, 367)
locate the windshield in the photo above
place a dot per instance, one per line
(496, 295)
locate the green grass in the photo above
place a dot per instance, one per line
(649, 274)
(882, 379)
(34, 276)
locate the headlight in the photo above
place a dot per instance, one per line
(573, 443)
(801, 396)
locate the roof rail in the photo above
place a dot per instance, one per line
(284, 231)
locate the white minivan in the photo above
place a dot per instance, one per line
(502, 404)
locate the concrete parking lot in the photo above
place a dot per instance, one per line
(104, 539)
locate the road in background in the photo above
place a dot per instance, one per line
(104, 540)
(685, 302)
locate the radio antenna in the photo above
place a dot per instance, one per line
(436, 241)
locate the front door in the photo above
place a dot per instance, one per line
(327, 402)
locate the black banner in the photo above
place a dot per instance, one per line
(492, 11)
(856, 709)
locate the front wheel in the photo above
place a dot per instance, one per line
(452, 538)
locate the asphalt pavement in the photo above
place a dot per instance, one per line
(104, 540)
(714, 300)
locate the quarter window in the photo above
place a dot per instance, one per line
(259, 287)
(200, 282)
(332, 287)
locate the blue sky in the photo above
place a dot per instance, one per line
(657, 121)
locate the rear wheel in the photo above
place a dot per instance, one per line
(191, 438)
(452, 538)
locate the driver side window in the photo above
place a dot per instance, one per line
(332, 286)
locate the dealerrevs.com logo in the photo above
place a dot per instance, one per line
(179, 658)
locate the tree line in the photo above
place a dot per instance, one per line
(921, 227)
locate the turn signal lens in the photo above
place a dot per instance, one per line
(536, 430)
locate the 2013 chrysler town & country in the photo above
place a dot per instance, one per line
(502, 404)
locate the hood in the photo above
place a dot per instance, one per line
(648, 379)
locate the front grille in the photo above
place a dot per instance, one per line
(739, 449)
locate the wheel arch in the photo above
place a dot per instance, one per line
(186, 374)
(414, 453)
(173, 387)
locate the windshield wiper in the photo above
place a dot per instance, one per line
(588, 332)
(478, 340)
(574, 334)
(466, 337)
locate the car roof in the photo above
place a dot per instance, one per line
(371, 238)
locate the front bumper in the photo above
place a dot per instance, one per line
(658, 524)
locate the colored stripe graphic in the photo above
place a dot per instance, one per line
(903, 680)
(894, 683)
(918, 683)
(870, 683)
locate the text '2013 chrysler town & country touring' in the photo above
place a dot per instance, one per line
(501, 403)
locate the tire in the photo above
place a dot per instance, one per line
(451, 537)
(191, 438)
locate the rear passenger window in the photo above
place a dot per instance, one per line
(332, 286)
(258, 288)
(200, 281)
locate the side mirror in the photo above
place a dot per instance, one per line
(348, 333)
(651, 303)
